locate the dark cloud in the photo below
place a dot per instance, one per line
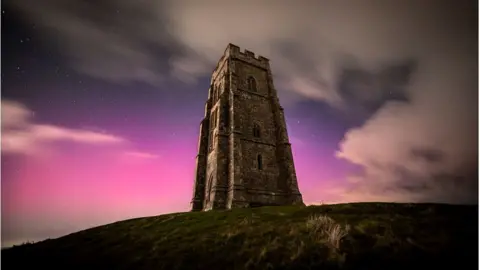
(120, 41)
(363, 92)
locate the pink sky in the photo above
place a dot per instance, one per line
(59, 180)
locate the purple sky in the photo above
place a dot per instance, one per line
(101, 102)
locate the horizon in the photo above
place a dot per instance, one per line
(102, 102)
(16, 243)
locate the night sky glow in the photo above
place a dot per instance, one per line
(101, 102)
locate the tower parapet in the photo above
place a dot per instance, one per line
(233, 51)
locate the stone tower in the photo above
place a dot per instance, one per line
(244, 155)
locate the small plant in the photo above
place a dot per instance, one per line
(326, 229)
(248, 220)
(245, 221)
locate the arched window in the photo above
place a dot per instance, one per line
(259, 162)
(256, 130)
(252, 84)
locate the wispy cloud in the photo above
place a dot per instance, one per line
(21, 135)
(141, 155)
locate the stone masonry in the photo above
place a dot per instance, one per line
(244, 155)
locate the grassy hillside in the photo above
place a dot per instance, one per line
(344, 236)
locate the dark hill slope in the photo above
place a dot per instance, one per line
(380, 236)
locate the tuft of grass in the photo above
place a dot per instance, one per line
(324, 228)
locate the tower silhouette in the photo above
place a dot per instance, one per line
(244, 155)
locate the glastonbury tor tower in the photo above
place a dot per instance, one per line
(244, 155)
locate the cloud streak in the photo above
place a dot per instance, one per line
(141, 155)
(20, 135)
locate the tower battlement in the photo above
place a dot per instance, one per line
(233, 51)
(244, 155)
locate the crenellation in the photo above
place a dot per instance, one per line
(263, 59)
(252, 61)
(233, 52)
(248, 160)
(248, 53)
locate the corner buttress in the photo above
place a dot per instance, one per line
(201, 167)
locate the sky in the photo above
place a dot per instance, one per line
(102, 102)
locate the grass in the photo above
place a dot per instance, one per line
(343, 236)
(325, 230)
